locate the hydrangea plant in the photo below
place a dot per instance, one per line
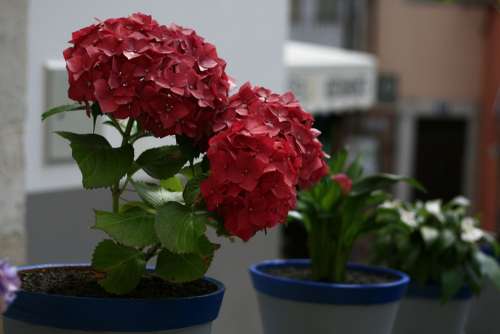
(235, 167)
(436, 244)
(9, 284)
(338, 210)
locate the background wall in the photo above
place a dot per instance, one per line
(435, 49)
(13, 22)
(13, 18)
(248, 34)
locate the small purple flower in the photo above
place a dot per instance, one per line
(9, 284)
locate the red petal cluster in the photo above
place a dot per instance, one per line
(265, 146)
(166, 77)
(280, 116)
(252, 181)
(343, 181)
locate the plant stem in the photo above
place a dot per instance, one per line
(328, 255)
(117, 125)
(193, 168)
(116, 201)
(116, 191)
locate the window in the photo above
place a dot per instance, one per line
(327, 11)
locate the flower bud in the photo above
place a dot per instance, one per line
(344, 182)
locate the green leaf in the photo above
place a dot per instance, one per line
(100, 164)
(154, 194)
(187, 147)
(162, 162)
(330, 196)
(179, 228)
(190, 171)
(124, 266)
(355, 170)
(191, 192)
(61, 109)
(172, 184)
(181, 268)
(338, 161)
(205, 247)
(489, 267)
(381, 181)
(451, 282)
(137, 205)
(134, 228)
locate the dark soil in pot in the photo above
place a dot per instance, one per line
(353, 276)
(83, 282)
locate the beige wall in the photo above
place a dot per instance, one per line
(435, 49)
(13, 14)
(13, 23)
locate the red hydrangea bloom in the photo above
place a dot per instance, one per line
(252, 180)
(279, 116)
(344, 182)
(166, 77)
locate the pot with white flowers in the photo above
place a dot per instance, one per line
(233, 169)
(326, 294)
(439, 247)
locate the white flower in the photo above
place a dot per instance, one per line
(470, 233)
(448, 237)
(390, 204)
(461, 201)
(434, 208)
(408, 217)
(429, 234)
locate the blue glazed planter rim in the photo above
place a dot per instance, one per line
(128, 314)
(328, 293)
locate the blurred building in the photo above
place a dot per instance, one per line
(41, 197)
(437, 85)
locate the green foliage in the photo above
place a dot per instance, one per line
(124, 266)
(182, 267)
(382, 181)
(163, 162)
(101, 165)
(179, 228)
(172, 184)
(61, 109)
(435, 244)
(191, 194)
(155, 195)
(134, 228)
(168, 223)
(335, 217)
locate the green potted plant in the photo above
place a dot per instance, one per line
(439, 247)
(326, 294)
(232, 170)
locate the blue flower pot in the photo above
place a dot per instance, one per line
(422, 311)
(42, 313)
(294, 306)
